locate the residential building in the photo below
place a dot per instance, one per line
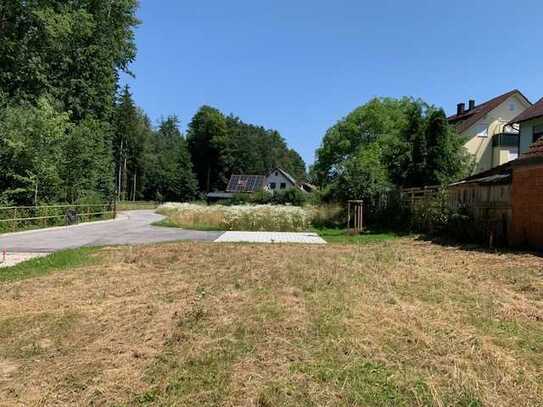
(531, 125)
(490, 137)
(280, 180)
(277, 180)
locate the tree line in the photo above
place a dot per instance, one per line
(385, 144)
(68, 133)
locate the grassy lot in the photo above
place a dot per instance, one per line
(395, 323)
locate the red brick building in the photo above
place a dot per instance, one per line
(506, 202)
(527, 199)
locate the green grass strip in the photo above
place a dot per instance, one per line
(167, 223)
(58, 261)
(344, 237)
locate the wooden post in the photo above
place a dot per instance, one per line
(348, 215)
(358, 215)
(134, 189)
(119, 185)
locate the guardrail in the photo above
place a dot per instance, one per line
(16, 218)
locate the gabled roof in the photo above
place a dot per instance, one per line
(285, 174)
(464, 121)
(533, 112)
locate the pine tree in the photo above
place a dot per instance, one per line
(414, 133)
(446, 157)
(206, 139)
(170, 176)
(131, 128)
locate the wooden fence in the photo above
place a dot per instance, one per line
(15, 218)
(416, 197)
(355, 215)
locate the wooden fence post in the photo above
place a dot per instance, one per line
(358, 215)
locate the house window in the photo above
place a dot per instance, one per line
(272, 185)
(276, 174)
(482, 130)
(513, 153)
(283, 185)
(512, 106)
(538, 133)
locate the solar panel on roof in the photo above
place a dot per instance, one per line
(245, 183)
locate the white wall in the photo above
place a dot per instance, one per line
(479, 135)
(278, 178)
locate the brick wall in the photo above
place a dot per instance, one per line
(527, 205)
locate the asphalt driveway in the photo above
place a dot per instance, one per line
(133, 227)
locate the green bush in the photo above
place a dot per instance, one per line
(290, 196)
(330, 216)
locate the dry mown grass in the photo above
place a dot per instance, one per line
(399, 323)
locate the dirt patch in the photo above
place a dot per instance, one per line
(7, 369)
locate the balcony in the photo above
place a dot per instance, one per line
(506, 140)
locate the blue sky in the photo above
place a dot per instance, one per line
(298, 66)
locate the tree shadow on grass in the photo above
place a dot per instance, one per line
(345, 236)
(471, 246)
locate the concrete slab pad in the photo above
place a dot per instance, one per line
(11, 259)
(271, 237)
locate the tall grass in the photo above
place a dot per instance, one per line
(274, 218)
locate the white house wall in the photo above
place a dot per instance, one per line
(479, 136)
(278, 179)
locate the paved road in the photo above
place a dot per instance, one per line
(132, 227)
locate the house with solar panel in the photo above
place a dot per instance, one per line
(277, 180)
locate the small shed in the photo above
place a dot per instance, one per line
(487, 197)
